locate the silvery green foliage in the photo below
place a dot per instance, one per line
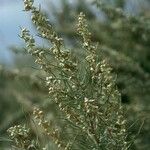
(84, 90)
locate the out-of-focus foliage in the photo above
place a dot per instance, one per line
(124, 40)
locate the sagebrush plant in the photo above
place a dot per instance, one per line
(84, 90)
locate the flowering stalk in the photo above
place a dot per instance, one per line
(85, 92)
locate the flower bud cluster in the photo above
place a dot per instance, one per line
(44, 28)
(39, 54)
(28, 4)
(46, 31)
(28, 39)
(82, 29)
(48, 127)
(18, 131)
(20, 136)
(103, 109)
